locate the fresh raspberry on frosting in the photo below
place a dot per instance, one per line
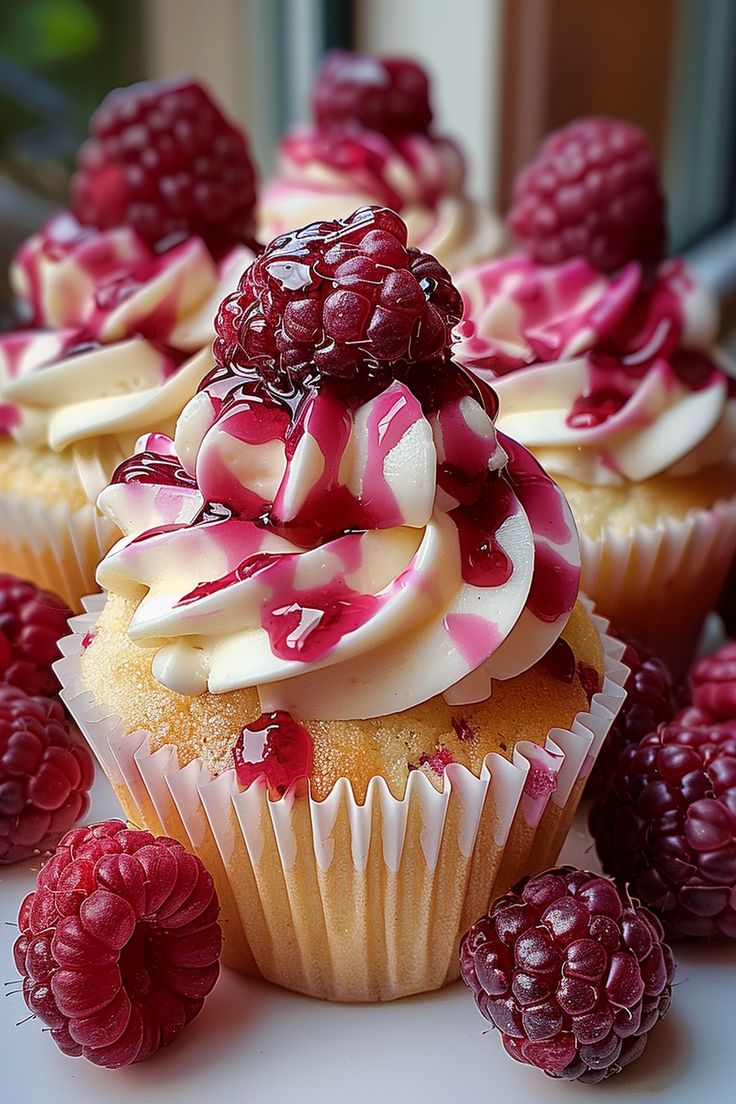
(45, 773)
(573, 976)
(338, 297)
(390, 95)
(119, 944)
(592, 191)
(32, 621)
(163, 159)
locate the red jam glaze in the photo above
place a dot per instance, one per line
(560, 661)
(275, 748)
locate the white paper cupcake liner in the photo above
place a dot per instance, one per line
(344, 901)
(657, 585)
(57, 548)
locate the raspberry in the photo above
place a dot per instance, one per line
(274, 747)
(592, 191)
(45, 773)
(335, 298)
(32, 621)
(572, 977)
(650, 701)
(666, 825)
(713, 683)
(163, 159)
(390, 95)
(119, 944)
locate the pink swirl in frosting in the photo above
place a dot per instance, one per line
(118, 337)
(347, 555)
(612, 376)
(329, 173)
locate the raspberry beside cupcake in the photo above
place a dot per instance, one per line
(117, 297)
(604, 360)
(341, 653)
(371, 142)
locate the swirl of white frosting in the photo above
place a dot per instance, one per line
(606, 378)
(327, 175)
(120, 340)
(347, 560)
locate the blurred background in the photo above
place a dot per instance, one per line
(504, 72)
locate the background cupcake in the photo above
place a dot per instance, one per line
(116, 297)
(341, 654)
(371, 142)
(602, 354)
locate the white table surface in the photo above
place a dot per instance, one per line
(256, 1043)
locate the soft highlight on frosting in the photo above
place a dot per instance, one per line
(606, 378)
(350, 554)
(118, 340)
(328, 174)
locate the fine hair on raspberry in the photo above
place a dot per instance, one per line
(338, 299)
(572, 976)
(119, 944)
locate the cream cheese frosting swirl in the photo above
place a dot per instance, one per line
(349, 553)
(329, 173)
(118, 339)
(606, 378)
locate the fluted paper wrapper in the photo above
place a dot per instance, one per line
(344, 901)
(53, 546)
(657, 585)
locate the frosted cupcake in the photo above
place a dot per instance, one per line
(603, 357)
(340, 653)
(371, 142)
(116, 297)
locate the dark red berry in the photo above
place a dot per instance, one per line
(572, 976)
(592, 191)
(163, 159)
(119, 944)
(32, 621)
(666, 825)
(336, 298)
(713, 684)
(390, 95)
(651, 700)
(276, 748)
(45, 773)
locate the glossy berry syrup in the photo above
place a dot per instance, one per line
(275, 748)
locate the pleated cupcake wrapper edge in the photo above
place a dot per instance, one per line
(657, 584)
(57, 547)
(296, 873)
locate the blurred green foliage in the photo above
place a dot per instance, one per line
(58, 58)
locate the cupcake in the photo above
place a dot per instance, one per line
(340, 653)
(371, 141)
(602, 354)
(116, 298)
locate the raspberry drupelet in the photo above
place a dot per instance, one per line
(666, 825)
(32, 621)
(338, 299)
(592, 191)
(572, 976)
(45, 774)
(163, 159)
(650, 701)
(119, 944)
